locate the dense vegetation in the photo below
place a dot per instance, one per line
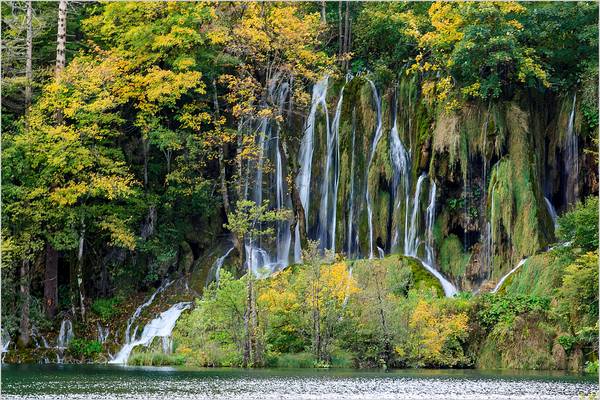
(125, 162)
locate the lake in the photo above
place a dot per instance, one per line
(108, 382)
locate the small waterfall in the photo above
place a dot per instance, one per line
(487, 252)
(215, 271)
(380, 252)
(4, 343)
(551, 211)
(329, 185)
(571, 158)
(161, 326)
(259, 262)
(401, 163)
(378, 133)
(65, 335)
(139, 310)
(319, 97)
(102, 333)
(429, 222)
(412, 243)
(501, 281)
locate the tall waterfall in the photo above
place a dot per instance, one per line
(571, 158)
(378, 133)
(350, 235)
(330, 182)
(401, 163)
(319, 99)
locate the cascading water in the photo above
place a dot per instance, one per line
(139, 310)
(65, 335)
(4, 343)
(329, 184)
(429, 221)
(162, 326)
(102, 332)
(319, 97)
(350, 236)
(571, 158)
(552, 212)
(412, 243)
(501, 281)
(401, 163)
(215, 271)
(378, 133)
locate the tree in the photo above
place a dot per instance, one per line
(247, 224)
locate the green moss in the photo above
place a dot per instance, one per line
(452, 260)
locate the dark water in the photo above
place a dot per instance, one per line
(115, 382)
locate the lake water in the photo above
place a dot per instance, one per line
(115, 382)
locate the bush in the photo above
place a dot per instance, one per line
(580, 226)
(499, 308)
(106, 308)
(83, 348)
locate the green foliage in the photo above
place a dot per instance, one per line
(83, 348)
(580, 226)
(495, 309)
(106, 308)
(579, 290)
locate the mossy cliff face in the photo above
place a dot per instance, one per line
(493, 165)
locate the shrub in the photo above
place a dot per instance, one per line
(106, 308)
(580, 226)
(83, 348)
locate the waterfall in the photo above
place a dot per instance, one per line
(380, 252)
(65, 335)
(329, 185)
(102, 333)
(412, 243)
(401, 163)
(378, 133)
(161, 326)
(551, 211)
(571, 158)
(319, 96)
(284, 236)
(351, 199)
(429, 222)
(4, 343)
(258, 261)
(138, 311)
(501, 281)
(215, 270)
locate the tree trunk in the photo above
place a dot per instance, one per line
(145, 151)
(222, 171)
(51, 281)
(346, 30)
(324, 11)
(247, 361)
(24, 328)
(341, 29)
(61, 38)
(29, 56)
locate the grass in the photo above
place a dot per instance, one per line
(156, 359)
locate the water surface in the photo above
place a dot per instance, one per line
(109, 382)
